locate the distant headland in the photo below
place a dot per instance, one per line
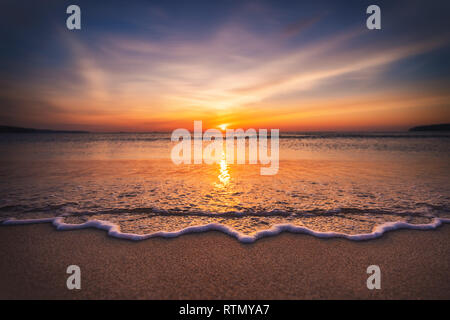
(8, 129)
(432, 127)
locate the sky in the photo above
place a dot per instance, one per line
(160, 65)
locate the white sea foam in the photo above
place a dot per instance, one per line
(114, 231)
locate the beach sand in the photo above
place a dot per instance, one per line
(414, 265)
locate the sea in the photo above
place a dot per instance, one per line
(355, 185)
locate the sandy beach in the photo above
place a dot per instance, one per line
(212, 265)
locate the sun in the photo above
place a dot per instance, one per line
(223, 126)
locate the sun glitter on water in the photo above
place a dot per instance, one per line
(224, 175)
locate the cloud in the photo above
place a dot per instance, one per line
(142, 79)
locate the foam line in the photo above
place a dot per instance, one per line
(113, 229)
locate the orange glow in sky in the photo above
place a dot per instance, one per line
(233, 76)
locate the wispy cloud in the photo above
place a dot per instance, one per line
(131, 80)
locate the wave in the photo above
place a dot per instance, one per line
(114, 231)
(153, 211)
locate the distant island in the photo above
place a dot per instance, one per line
(432, 127)
(8, 129)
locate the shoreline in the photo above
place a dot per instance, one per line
(113, 230)
(414, 265)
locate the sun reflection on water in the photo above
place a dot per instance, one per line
(224, 174)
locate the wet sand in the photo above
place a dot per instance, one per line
(414, 265)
